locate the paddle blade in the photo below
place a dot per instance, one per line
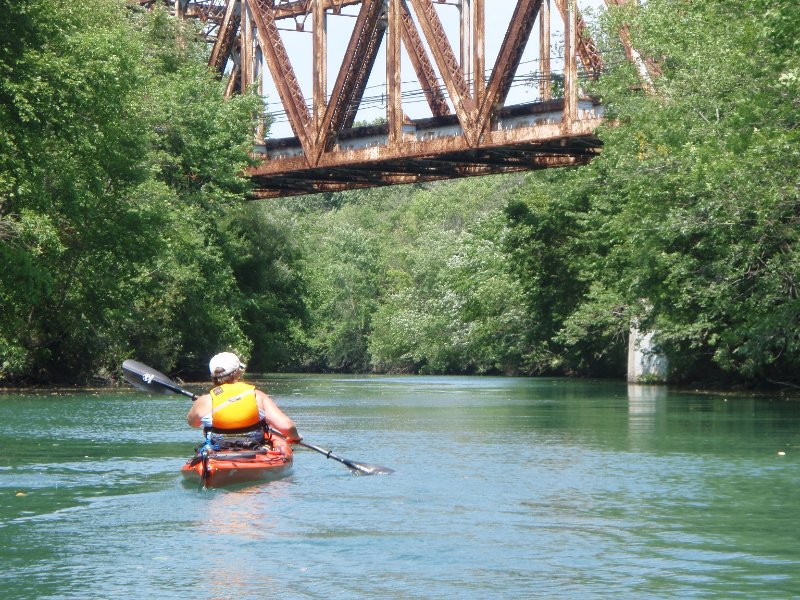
(149, 380)
(367, 469)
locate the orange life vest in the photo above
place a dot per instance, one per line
(234, 407)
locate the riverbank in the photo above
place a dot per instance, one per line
(768, 389)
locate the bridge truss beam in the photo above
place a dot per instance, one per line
(470, 131)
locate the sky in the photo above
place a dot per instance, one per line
(498, 15)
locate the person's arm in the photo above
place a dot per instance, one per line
(276, 418)
(200, 408)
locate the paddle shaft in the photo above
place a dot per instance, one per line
(145, 378)
(326, 453)
(177, 390)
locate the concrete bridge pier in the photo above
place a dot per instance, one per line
(646, 364)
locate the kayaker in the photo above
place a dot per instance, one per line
(234, 413)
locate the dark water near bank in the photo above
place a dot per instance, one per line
(505, 488)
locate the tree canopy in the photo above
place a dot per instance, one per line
(121, 198)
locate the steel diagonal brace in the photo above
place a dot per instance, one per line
(422, 64)
(448, 67)
(282, 73)
(374, 34)
(508, 59)
(587, 50)
(353, 74)
(226, 37)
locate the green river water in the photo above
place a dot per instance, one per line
(504, 488)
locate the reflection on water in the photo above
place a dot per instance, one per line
(509, 488)
(642, 399)
(643, 406)
(234, 525)
(241, 512)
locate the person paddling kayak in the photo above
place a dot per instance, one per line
(235, 414)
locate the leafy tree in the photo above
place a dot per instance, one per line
(70, 128)
(122, 161)
(266, 258)
(552, 255)
(346, 273)
(454, 308)
(697, 191)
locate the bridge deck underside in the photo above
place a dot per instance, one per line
(290, 178)
(523, 138)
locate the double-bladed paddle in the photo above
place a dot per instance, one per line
(147, 379)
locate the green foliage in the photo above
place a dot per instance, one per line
(70, 125)
(697, 190)
(414, 279)
(265, 258)
(118, 218)
(552, 255)
(453, 309)
(345, 270)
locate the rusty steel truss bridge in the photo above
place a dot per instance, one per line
(469, 126)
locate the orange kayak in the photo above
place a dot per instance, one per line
(217, 468)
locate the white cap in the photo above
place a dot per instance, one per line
(227, 361)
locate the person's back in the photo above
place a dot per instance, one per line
(237, 414)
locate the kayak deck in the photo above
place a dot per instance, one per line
(229, 467)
